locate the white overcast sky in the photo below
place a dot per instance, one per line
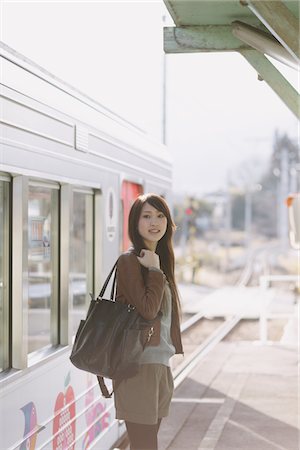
(218, 114)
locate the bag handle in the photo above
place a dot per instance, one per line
(112, 293)
(103, 387)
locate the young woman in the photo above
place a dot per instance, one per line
(145, 279)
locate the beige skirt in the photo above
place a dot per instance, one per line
(146, 397)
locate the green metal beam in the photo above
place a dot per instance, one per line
(268, 72)
(206, 38)
(280, 21)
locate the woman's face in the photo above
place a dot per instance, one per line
(152, 225)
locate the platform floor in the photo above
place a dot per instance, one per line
(241, 396)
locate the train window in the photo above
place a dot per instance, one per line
(81, 260)
(43, 266)
(4, 280)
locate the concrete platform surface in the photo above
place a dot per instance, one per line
(241, 396)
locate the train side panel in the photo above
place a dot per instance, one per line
(65, 165)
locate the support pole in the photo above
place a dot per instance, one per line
(263, 320)
(284, 26)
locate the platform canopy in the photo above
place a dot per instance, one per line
(254, 28)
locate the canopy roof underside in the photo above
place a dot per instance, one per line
(254, 28)
(216, 12)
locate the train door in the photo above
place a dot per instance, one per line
(4, 270)
(130, 191)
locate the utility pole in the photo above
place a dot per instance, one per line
(249, 192)
(293, 181)
(228, 220)
(164, 94)
(248, 215)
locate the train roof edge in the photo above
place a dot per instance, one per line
(99, 115)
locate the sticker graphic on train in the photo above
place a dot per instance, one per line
(111, 214)
(64, 427)
(94, 410)
(30, 416)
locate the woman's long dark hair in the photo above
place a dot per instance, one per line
(164, 247)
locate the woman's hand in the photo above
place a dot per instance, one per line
(148, 259)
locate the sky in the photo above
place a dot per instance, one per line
(219, 116)
(228, 117)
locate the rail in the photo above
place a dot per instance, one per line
(183, 370)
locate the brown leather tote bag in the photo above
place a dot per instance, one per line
(110, 341)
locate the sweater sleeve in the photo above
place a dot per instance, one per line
(147, 295)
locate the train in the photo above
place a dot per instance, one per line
(69, 171)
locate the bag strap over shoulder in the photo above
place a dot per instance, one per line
(112, 293)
